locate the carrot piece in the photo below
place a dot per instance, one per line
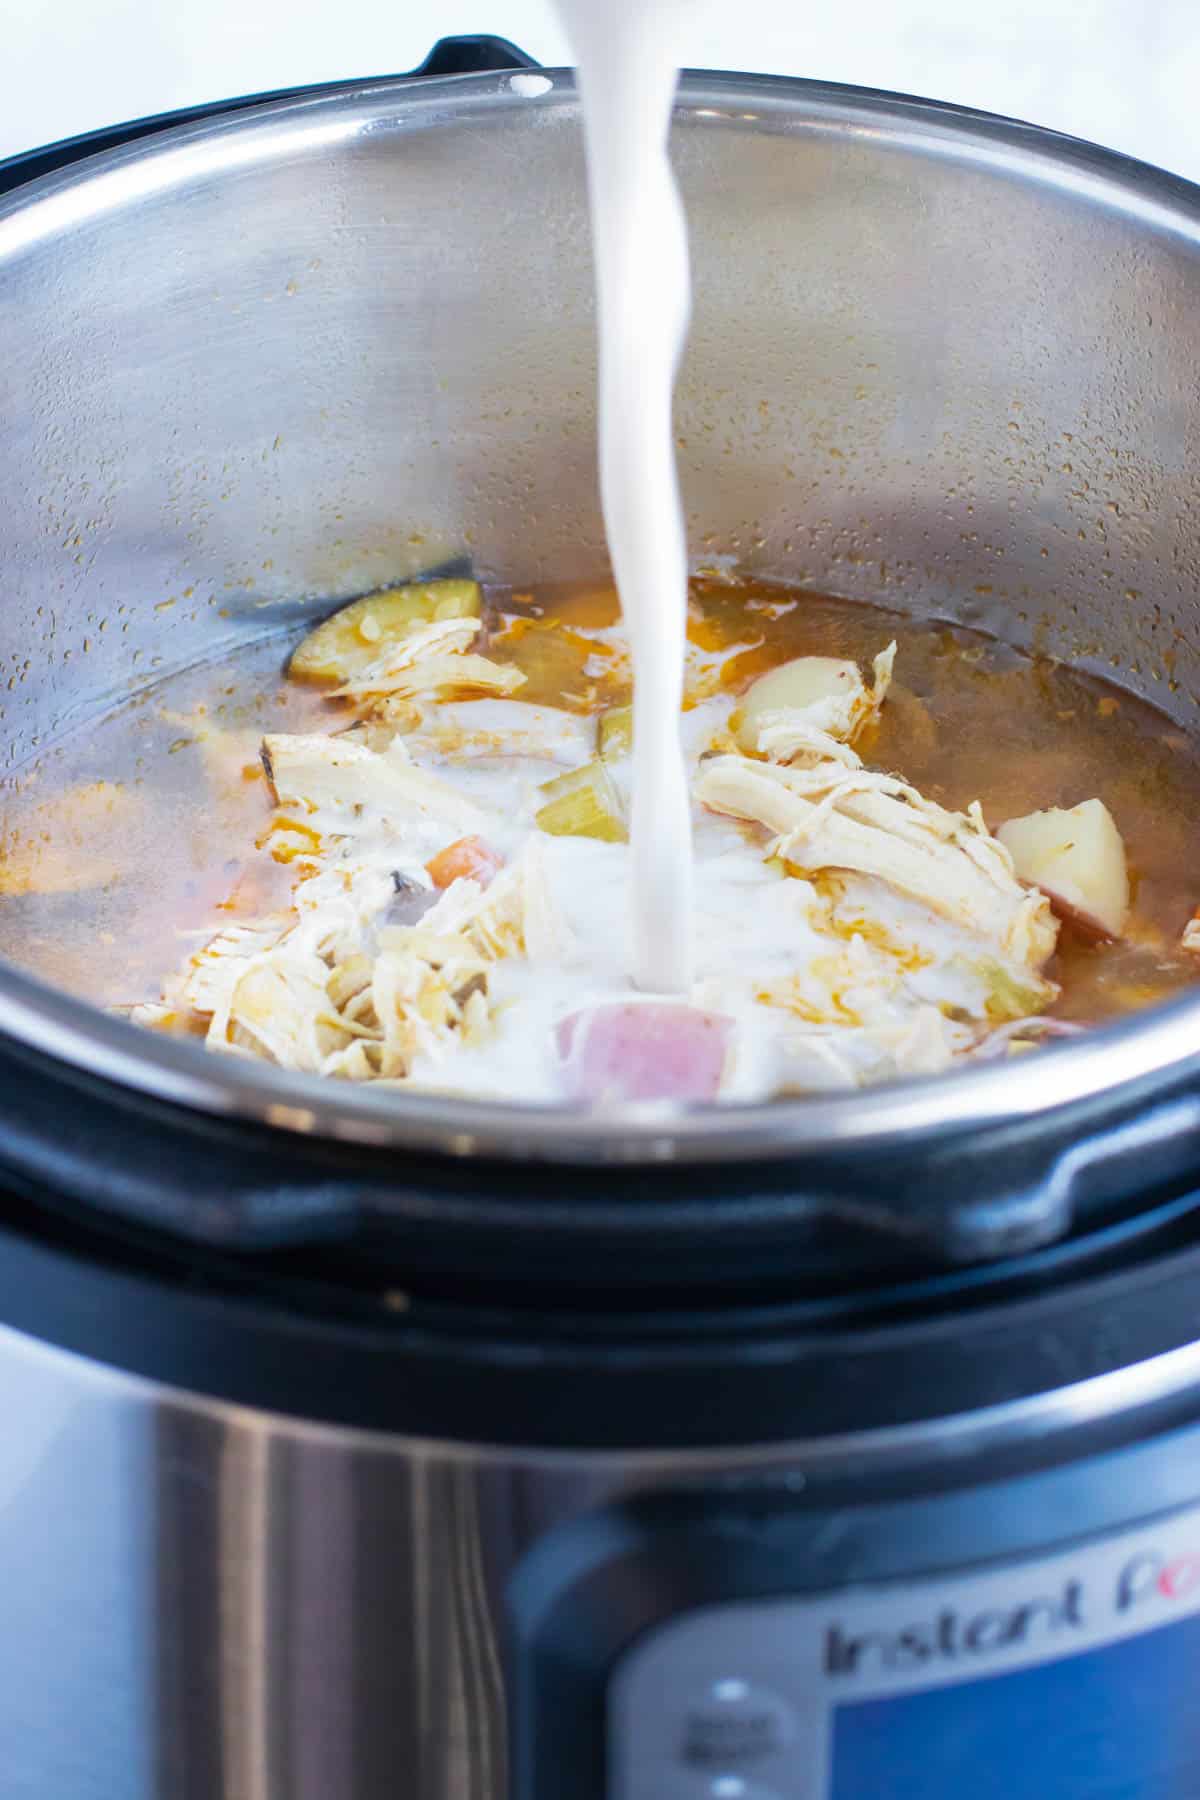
(467, 858)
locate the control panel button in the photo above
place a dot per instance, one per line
(732, 1787)
(732, 1723)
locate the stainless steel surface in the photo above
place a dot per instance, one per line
(937, 359)
(207, 1603)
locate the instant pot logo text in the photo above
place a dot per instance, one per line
(1153, 1577)
(1107, 1594)
(951, 1635)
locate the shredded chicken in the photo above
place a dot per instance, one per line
(214, 970)
(926, 1046)
(832, 817)
(432, 659)
(816, 1060)
(514, 916)
(337, 990)
(823, 730)
(347, 1012)
(278, 1006)
(357, 786)
(378, 973)
(464, 730)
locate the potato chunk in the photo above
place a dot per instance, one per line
(647, 1050)
(354, 637)
(795, 685)
(1077, 858)
(819, 701)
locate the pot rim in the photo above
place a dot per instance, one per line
(1155, 1049)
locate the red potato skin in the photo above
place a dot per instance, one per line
(1083, 924)
(643, 1050)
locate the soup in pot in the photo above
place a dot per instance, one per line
(406, 862)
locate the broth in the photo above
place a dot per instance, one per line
(128, 845)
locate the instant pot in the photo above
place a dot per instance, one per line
(364, 1444)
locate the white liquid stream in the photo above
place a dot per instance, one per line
(628, 75)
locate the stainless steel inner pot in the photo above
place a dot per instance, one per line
(939, 360)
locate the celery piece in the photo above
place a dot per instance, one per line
(345, 643)
(582, 804)
(615, 737)
(1010, 994)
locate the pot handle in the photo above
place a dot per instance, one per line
(480, 55)
(1151, 1149)
(468, 55)
(74, 1143)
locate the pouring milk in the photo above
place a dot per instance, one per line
(627, 74)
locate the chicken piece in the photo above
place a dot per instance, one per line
(157, 1015)
(415, 994)
(213, 972)
(811, 707)
(278, 1008)
(431, 660)
(461, 730)
(1076, 856)
(834, 818)
(337, 1010)
(515, 915)
(425, 987)
(440, 675)
(925, 1045)
(379, 731)
(344, 899)
(319, 774)
(810, 1062)
(360, 633)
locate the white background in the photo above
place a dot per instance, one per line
(1125, 72)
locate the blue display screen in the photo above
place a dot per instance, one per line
(1117, 1723)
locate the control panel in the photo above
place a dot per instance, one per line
(768, 1641)
(1069, 1678)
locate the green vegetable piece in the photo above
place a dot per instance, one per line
(583, 804)
(343, 645)
(616, 731)
(1010, 996)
